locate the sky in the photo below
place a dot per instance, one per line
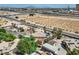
(38, 5)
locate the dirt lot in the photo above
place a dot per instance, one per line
(68, 24)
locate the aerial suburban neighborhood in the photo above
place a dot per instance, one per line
(39, 31)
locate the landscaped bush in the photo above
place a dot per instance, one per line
(6, 36)
(2, 30)
(27, 45)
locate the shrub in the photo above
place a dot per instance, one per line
(27, 45)
(6, 36)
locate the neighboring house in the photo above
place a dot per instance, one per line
(55, 49)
